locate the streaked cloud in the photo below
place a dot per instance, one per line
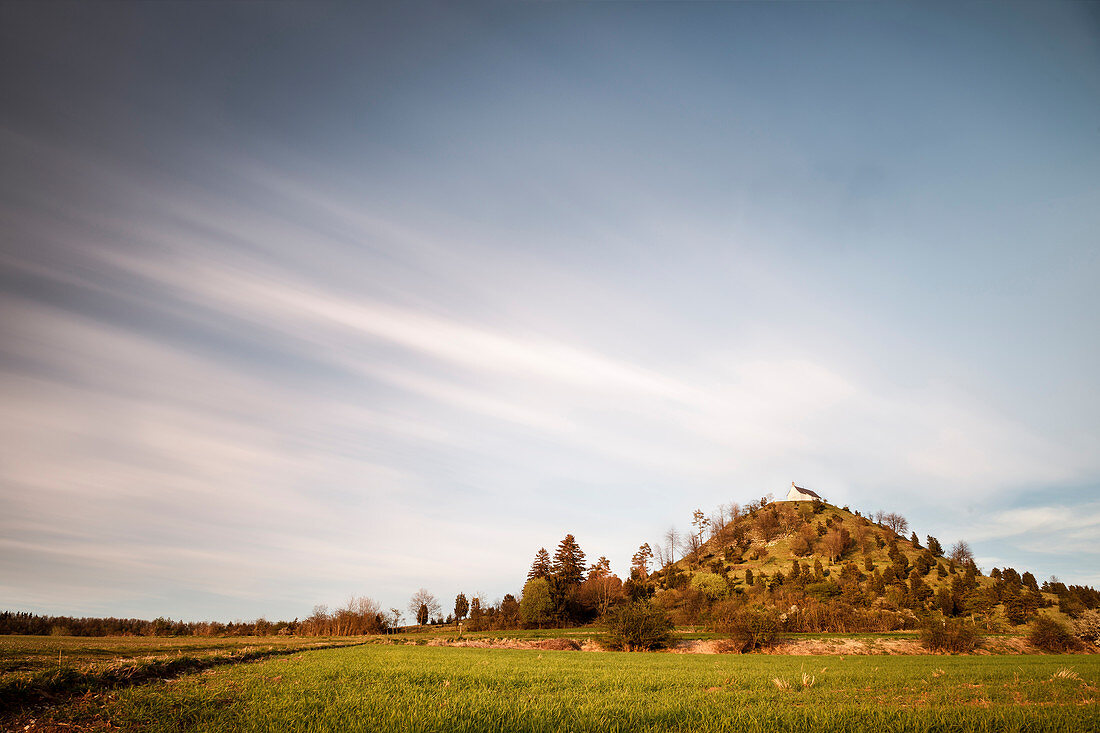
(241, 374)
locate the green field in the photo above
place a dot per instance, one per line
(377, 687)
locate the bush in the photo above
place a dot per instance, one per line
(1050, 634)
(638, 627)
(1087, 625)
(748, 628)
(710, 584)
(941, 634)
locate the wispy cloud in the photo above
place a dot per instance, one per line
(241, 360)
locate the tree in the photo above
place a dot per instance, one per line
(640, 562)
(510, 612)
(602, 569)
(462, 607)
(700, 521)
(834, 544)
(395, 616)
(803, 542)
(934, 546)
(767, 526)
(477, 614)
(960, 553)
(672, 539)
(914, 541)
(540, 568)
(896, 523)
(319, 623)
(423, 605)
(568, 565)
(535, 606)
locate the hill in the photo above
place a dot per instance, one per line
(826, 568)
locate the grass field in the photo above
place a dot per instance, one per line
(418, 688)
(31, 654)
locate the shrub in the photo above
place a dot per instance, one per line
(748, 628)
(941, 634)
(1050, 634)
(638, 627)
(710, 584)
(1087, 625)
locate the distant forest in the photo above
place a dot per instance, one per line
(804, 566)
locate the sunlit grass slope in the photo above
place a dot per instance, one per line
(411, 688)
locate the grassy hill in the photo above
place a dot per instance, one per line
(814, 555)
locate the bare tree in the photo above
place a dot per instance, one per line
(961, 554)
(896, 523)
(672, 542)
(717, 522)
(834, 543)
(659, 554)
(319, 622)
(422, 601)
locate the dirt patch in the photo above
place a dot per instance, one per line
(845, 647)
(559, 645)
(791, 647)
(708, 646)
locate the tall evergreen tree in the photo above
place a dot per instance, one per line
(568, 565)
(540, 568)
(461, 607)
(934, 546)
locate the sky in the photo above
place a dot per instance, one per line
(306, 301)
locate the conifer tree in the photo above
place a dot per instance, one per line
(461, 607)
(568, 565)
(639, 564)
(540, 568)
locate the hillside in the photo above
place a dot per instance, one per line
(830, 569)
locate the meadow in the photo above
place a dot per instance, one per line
(410, 687)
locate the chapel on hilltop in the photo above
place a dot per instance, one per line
(797, 493)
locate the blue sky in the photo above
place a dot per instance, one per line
(305, 301)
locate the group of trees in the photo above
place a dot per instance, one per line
(563, 591)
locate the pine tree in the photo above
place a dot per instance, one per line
(639, 564)
(540, 568)
(461, 607)
(934, 546)
(568, 565)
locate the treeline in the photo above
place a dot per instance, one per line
(18, 622)
(358, 616)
